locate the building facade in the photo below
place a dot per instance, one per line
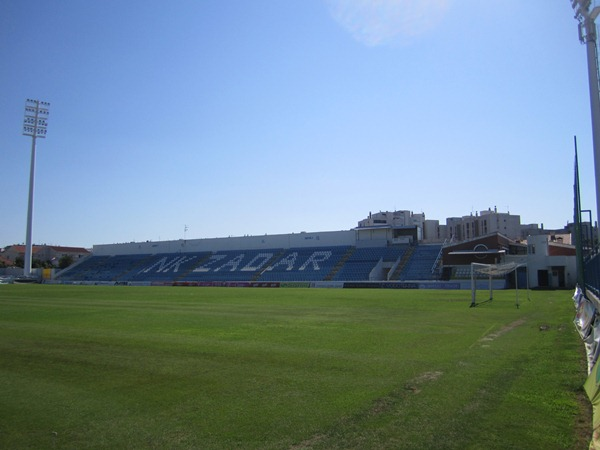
(44, 253)
(462, 228)
(551, 264)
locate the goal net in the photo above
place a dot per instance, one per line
(495, 275)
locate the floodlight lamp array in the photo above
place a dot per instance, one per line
(38, 102)
(35, 123)
(581, 8)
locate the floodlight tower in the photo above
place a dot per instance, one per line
(586, 14)
(35, 125)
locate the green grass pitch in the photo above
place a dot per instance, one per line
(222, 368)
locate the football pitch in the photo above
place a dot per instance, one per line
(223, 368)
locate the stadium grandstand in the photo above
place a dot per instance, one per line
(392, 250)
(374, 254)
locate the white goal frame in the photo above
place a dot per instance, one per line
(498, 270)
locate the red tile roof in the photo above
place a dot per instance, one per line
(68, 249)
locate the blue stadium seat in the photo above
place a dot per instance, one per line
(420, 264)
(339, 263)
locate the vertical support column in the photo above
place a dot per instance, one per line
(35, 125)
(28, 240)
(589, 37)
(473, 286)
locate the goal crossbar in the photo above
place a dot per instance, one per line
(494, 270)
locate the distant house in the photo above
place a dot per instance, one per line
(551, 263)
(491, 249)
(5, 262)
(51, 253)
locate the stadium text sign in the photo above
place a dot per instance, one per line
(228, 263)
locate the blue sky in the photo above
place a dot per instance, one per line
(236, 117)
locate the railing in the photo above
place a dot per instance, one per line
(592, 274)
(438, 259)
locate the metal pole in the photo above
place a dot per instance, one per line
(527, 273)
(473, 287)
(592, 61)
(517, 287)
(586, 13)
(28, 243)
(590, 232)
(34, 125)
(577, 221)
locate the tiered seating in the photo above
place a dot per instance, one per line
(421, 262)
(392, 254)
(166, 267)
(361, 263)
(236, 265)
(463, 272)
(279, 265)
(85, 270)
(304, 264)
(103, 268)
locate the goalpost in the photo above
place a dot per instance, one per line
(495, 270)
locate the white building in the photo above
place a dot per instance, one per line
(551, 264)
(484, 223)
(456, 228)
(392, 219)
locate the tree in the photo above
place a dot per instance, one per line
(39, 264)
(65, 261)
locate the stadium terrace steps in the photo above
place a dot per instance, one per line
(402, 263)
(267, 265)
(233, 265)
(304, 264)
(338, 263)
(165, 267)
(361, 263)
(202, 259)
(421, 263)
(103, 268)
